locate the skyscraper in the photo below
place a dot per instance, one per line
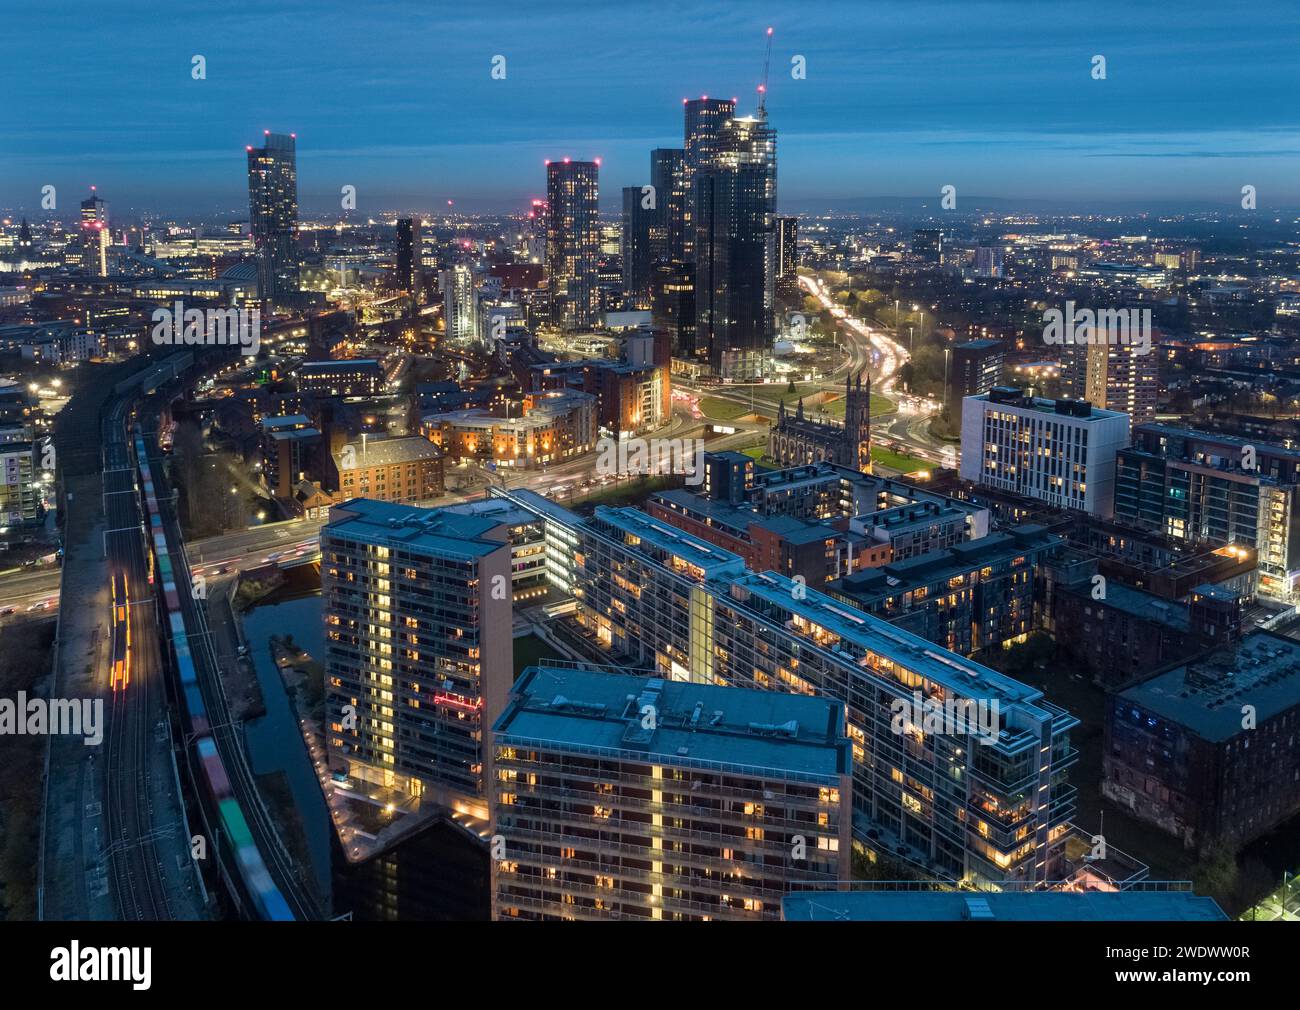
(705, 118)
(94, 235)
(668, 177)
(638, 222)
(408, 257)
(787, 259)
(735, 248)
(573, 241)
(458, 305)
(273, 215)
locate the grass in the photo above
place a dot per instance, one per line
(879, 405)
(721, 410)
(898, 461)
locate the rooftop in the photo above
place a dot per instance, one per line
(858, 636)
(738, 520)
(900, 576)
(1206, 696)
(632, 522)
(798, 735)
(435, 531)
(389, 451)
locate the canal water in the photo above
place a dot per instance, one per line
(274, 741)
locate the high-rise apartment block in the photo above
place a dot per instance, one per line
(635, 797)
(573, 241)
(1203, 487)
(1122, 377)
(418, 662)
(965, 805)
(459, 305)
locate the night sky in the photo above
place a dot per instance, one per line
(396, 98)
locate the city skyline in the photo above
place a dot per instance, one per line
(893, 105)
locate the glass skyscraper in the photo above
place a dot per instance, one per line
(735, 249)
(273, 215)
(573, 241)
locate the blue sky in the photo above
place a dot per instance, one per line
(900, 98)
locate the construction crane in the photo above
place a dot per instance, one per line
(762, 88)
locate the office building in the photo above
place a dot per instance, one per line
(1207, 751)
(573, 241)
(418, 659)
(634, 797)
(1210, 488)
(1061, 452)
(273, 216)
(672, 305)
(94, 236)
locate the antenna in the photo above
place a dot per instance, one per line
(762, 88)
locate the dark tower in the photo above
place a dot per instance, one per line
(857, 422)
(273, 215)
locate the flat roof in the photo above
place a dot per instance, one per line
(966, 678)
(1006, 906)
(1147, 606)
(1199, 435)
(668, 538)
(1206, 696)
(900, 576)
(800, 735)
(738, 520)
(433, 531)
(1042, 405)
